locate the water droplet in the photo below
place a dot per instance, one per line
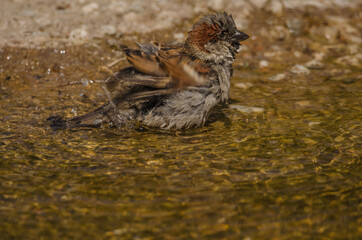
(84, 81)
(74, 111)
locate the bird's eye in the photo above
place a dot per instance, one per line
(224, 33)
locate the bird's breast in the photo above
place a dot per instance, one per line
(223, 76)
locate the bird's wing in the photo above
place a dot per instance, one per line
(183, 70)
(169, 67)
(145, 63)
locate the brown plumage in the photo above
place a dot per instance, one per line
(171, 86)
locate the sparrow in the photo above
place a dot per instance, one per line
(170, 86)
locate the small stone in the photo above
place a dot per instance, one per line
(276, 7)
(339, 139)
(90, 7)
(297, 54)
(270, 54)
(245, 85)
(108, 30)
(311, 124)
(246, 109)
(354, 39)
(131, 16)
(119, 231)
(314, 64)
(300, 69)
(309, 141)
(304, 103)
(318, 56)
(277, 77)
(43, 21)
(350, 60)
(294, 25)
(78, 33)
(263, 64)
(330, 33)
(353, 48)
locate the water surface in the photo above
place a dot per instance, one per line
(289, 168)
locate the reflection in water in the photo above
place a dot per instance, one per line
(288, 169)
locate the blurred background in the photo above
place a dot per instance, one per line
(39, 23)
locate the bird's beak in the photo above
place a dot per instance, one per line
(240, 36)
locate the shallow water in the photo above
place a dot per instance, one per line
(286, 170)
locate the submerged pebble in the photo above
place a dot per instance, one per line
(243, 85)
(246, 109)
(277, 77)
(263, 64)
(300, 69)
(350, 60)
(314, 64)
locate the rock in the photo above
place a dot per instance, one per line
(90, 7)
(302, 44)
(339, 139)
(246, 109)
(79, 33)
(303, 104)
(343, 28)
(108, 30)
(350, 60)
(277, 77)
(272, 54)
(245, 85)
(43, 21)
(318, 56)
(314, 64)
(353, 48)
(354, 39)
(300, 69)
(311, 124)
(294, 25)
(330, 33)
(276, 7)
(297, 54)
(131, 16)
(263, 64)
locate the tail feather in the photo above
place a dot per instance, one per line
(93, 119)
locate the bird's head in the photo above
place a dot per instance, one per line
(215, 38)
